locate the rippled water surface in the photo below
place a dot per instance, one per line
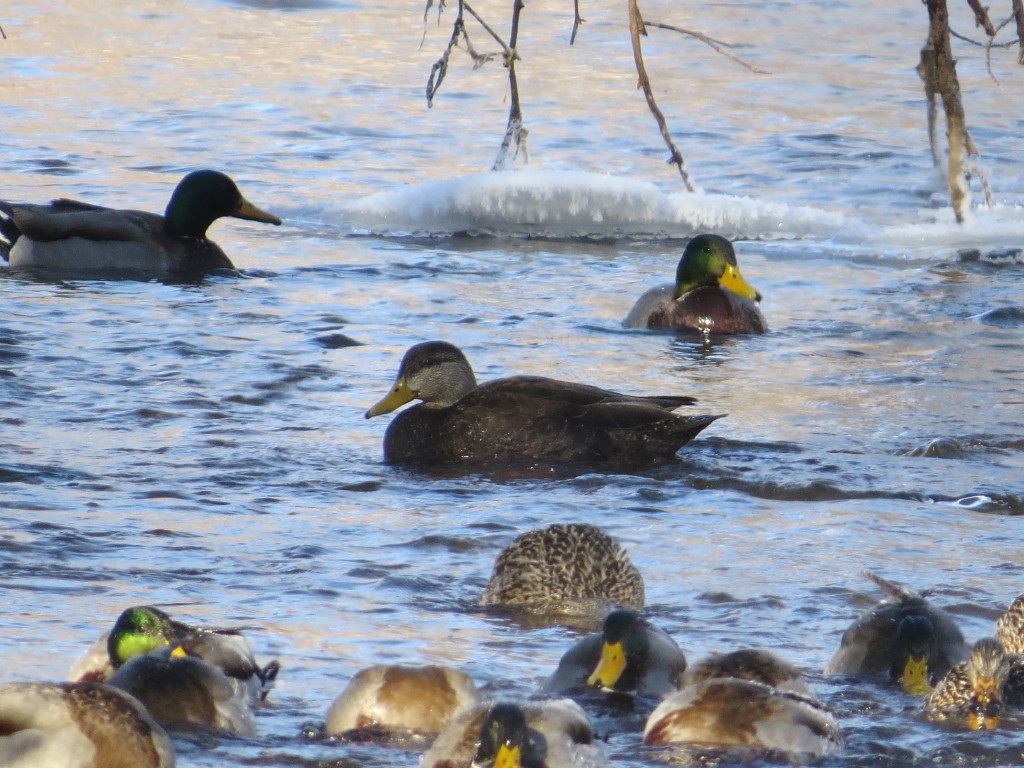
(203, 446)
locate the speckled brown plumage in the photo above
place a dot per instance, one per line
(562, 567)
(976, 689)
(1010, 627)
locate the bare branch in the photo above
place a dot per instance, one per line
(717, 45)
(1018, 15)
(981, 17)
(636, 28)
(576, 20)
(938, 68)
(515, 134)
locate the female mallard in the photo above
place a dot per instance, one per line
(180, 689)
(1010, 627)
(979, 688)
(907, 639)
(394, 699)
(629, 656)
(574, 568)
(523, 417)
(143, 628)
(545, 734)
(733, 713)
(78, 725)
(79, 237)
(710, 294)
(752, 664)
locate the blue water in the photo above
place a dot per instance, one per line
(203, 446)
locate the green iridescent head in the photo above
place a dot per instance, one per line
(709, 260)
(201, 198)
(138, 630)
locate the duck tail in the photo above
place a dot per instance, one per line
(9, 232)
(267, 676)
(895, 591)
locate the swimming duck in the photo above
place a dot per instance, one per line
(710, 294)
(752, 664)
(79, 237)
(1010, 627)
(523, 417)
(180, 689)
(572, 568)
(980, 688)
(78, 725)
(630, 656)
(734, 713)
(394, 698)
(545, 734)
(905, 638)
(141, 629)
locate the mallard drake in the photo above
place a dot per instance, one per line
(144, 628)
(905, 638)
(630, 656)
(523, 417)
(571, 568)
(545, 734)
(78, 725)
(180, 689)
(729, 712)
(393, 698)
(710, 294)
(979, 688)
(79, 237)
(752, 664)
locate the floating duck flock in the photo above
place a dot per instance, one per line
(150, 674)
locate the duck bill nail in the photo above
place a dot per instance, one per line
(250, 212)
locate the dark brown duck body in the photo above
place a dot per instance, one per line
(529, 418)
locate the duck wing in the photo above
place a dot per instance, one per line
(544, 418)
(63, 219)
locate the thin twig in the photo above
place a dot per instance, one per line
(576, 20)
(440, 67)
(715, 44)
(636, 28)
(981, 43)
(487, 27)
